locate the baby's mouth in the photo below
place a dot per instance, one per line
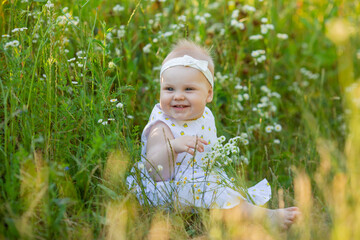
(180, 106)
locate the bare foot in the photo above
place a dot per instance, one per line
(283, 218)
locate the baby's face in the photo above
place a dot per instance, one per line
(184, 93)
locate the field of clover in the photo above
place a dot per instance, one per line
(78, 81)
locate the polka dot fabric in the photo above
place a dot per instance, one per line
(191, 185)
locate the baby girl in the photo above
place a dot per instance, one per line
(180, 131)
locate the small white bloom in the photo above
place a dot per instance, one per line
(118, 8)
(248, 8)
(276, 141)
(244, 135)
(80, 65)
(130, 116)
(182, 18)
(100, 120)
(111, 65)
(269, 129)
(119, 105)
(277, 127)
(256, 37)
(147, 47)
(113, 100)
(245, 141)
(246, 96)
(232, 179)
(49, 4)
(282, 36)
(141, 166)
(160, 168)
(264, 20)
(104, 123)
(238, 87)
(277, 77)
(75, 83)
(237, 24)
(15, 30)
(5, 35)
(111, 119)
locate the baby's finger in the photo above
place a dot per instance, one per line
(202, 140)
(190, 151)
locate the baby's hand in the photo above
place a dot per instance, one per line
(188, 144)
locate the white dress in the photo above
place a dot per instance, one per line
(191, 185)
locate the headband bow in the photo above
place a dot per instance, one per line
(188, 61)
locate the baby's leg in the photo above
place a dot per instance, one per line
(281, 218)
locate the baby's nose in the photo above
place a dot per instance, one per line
(179, 95)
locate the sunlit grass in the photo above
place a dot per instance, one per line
(78, 80)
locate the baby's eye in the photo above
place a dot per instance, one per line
(189, 89)
(170, 89)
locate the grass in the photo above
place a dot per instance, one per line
(62, 172)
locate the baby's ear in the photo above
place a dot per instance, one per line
(210, 95)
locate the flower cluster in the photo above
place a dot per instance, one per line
(14, 43)
(234, 20)
(224, 154)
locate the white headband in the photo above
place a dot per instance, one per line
(188, 61)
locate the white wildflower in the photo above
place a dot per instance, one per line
(74, 82)
(237, 24)
(119, 105)
(121, 32)
(141, 166)
(100, 120)
(246, 96)
(104, 123)
(257, 53)
(245, 141)
(265, 89)
(235, 14)
(113, 100)
(5, 36)
(49, 4)
(118, 8)
(269, 129)
(282, 36)
(264, 20)
(256, 37)
(147, 47)
(248, 8)
(160, 168)
(130, 116)
(111, 119)
(112, 65)
(182, 18)
(276, 141)
(277, 127)
(261, 59)
(238, 87)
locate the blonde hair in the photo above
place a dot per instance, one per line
(192, 49)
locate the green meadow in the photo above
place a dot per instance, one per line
(78, 81)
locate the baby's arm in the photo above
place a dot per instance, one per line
(159, 152)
